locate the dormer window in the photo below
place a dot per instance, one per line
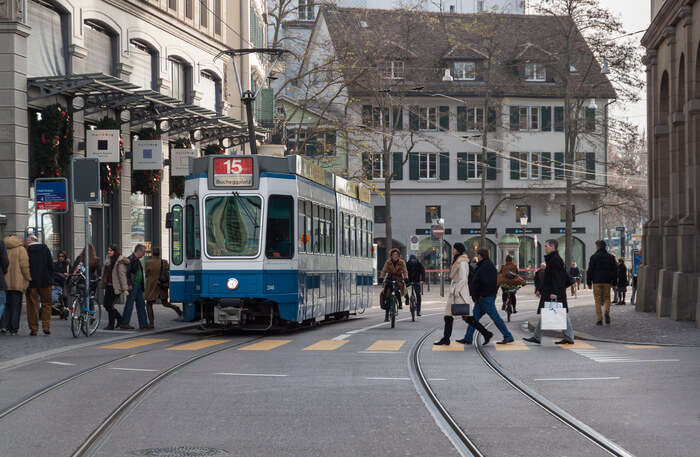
(535, 72)
(465, 71)
(305, 10)
(395, 69)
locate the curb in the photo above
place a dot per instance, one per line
(13, 363)
(532, 324)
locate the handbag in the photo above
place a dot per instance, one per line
(459, 307)
(553, 316)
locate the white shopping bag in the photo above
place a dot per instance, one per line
(553, 316)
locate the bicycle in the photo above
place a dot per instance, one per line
(84, 318)
(393, 301)
(412, 300)
(510, 294)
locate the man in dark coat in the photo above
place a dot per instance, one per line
(4, 265)
(416, 276)
(554, 284)
(602, 275)
(41, 269)
(483, 288)
(137, 283)
(622, 281)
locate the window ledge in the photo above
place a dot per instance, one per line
(429, 179)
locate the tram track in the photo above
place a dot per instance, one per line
(463, 443)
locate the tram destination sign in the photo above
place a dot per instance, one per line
(233, 172)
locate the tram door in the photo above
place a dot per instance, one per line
(177, 250)
(193, 249)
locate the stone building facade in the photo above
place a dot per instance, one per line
(669, 278)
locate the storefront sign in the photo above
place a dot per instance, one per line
(148, 155)
(104, 145)
(558, 230)
(233, 172)
(180, 161)
(51, 195)
(476, 231)
(523, 230)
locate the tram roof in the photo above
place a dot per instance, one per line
(292, 164)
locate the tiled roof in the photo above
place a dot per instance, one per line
(364, 39)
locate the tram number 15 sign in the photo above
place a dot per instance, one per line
(233, 171)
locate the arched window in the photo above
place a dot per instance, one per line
(180, 79)
(49, 40)
(144, 59)
(102, 45)
(474, 244)
(664, 97)
(578, 254)
(210, 87)
(530, 255)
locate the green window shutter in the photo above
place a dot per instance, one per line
(515, 118)
(590, 166)
(398, 118)
(267, 96)
(462, 166)
(444, 118)
(546, 118)
(398, 166)
(492, 164)
(559, 165)
(558, 118)
(546, 171)
(492, 119)
(444, 166)
(366, 166)
(514, 166)
(413, 119)
(413, 167)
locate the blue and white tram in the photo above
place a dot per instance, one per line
(262, 241)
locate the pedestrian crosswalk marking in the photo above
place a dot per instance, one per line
(578, 344)
(454, 346)
(326, 345)
(135, 343)
(642, 346)
(196, 345)
(386, 345)
(265, 345)
(514, 346)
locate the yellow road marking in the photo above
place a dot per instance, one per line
(514, 346)
(326, 345)
(642, 346)
(386, 345)
(578, 344)
(138, 342)
(196, 345)
(452, 347)
(265, 345)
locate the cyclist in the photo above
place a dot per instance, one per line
(575, 273)
(394, 268)
(509, 280)
(416, 276)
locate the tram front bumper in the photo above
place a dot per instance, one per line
(228, 315)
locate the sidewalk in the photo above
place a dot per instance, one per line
(22, 345)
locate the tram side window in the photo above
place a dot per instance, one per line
(302, 227)
(322, 229)
(346, 234)
(363, 240)
(280, 227)
(332, 229)
(193, 237)
(316, 235)
(326, 231)
(370, 239)
(352, 236)
(176, 236)
(309, 228)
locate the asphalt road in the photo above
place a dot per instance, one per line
(344, 389)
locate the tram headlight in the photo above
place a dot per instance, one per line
(232, 283)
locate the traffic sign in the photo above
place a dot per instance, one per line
(86, 179)
(51, 194)
(437, 231)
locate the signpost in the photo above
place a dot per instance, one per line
(414, 243)
(86, 189)
(51, 195)
(437, 232)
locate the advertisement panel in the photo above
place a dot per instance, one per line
(103, 144)
(180, 161)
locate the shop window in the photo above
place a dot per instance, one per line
(280, 227)
(432, 212)
(562, 213)
(522, 211)
(476, 214)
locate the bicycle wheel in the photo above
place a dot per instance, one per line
(392, 311)
(75, 317)
(413, 306)
(92, 318)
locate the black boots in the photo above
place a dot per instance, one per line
(449, 320)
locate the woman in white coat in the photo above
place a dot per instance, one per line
(459, 293)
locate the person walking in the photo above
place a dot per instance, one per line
(41, 271)
(483, 288)
(539, 277)
(157, 285)
(575, 273)
(555, 281)
(416, 276)
(509, 280)
(622, 281)
(459, 293)
(61, 271)
(17, 279)
(136, 281)
(394, 268)
(4, 265)
(114, 284)
(601, 275)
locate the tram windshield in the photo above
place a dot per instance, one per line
(233, 225)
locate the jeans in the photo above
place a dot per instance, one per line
(3, 299)
(486, 305)
(136, 295)
(568, 333)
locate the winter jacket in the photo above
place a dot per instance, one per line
(396, 270)
(555, 280)
(40, 265)
(132, 272)
(484, 280)
(416, 271)
(60, 272)
(4, 265)
(120, 283)
(622, 280)
(602, 268)
(154, 268)
(575, 272)
(18, 274)
(504, 280)
(459, 283)
(539, 278)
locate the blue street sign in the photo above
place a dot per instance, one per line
(51, 194)
(636, 261)
(620, 229)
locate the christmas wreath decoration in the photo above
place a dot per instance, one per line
(111, 173)
(177, 183)
(146, 181)
(213, 149)
(53, 148)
